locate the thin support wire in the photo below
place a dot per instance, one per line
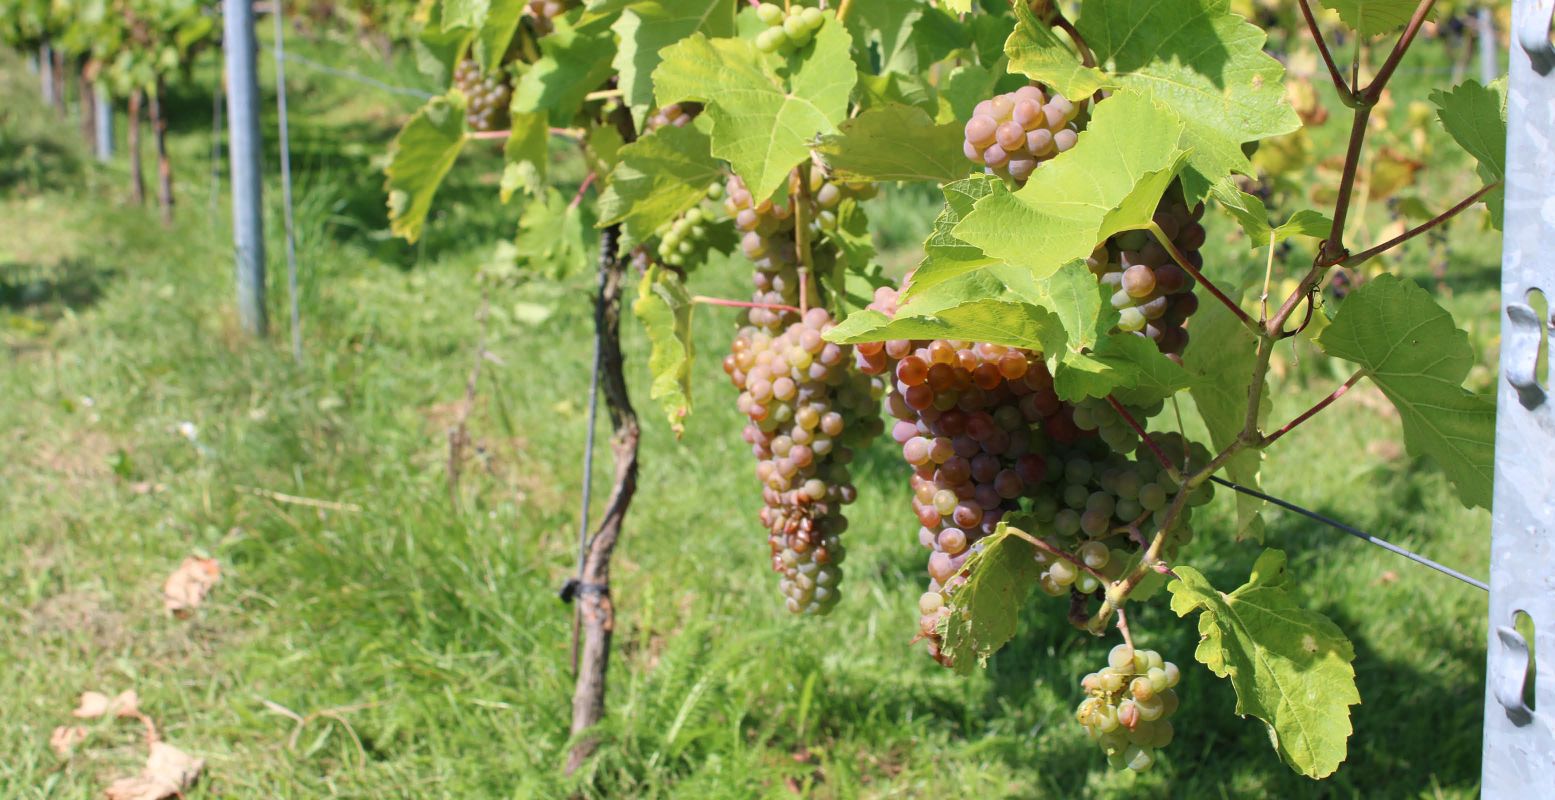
(1353, 531)
(286, 185)
(218, 101)
(588, 484)
(357, 77)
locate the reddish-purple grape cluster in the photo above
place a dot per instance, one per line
(486, 96)
(1151, 291)
(1010, 134)
(678, 115)
(541, 13)
(807, 411)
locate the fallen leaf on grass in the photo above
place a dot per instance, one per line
(187, 587)
(96, 704)
(169, 772)
(65, 738)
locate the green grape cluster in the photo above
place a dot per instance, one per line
(807, 413)
(787, 32)
(1096, 414)
(486, 96)
(684, 242)
(1151, 291)
(1129, 704)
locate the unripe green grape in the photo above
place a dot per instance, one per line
(794, 27)
(813, 18)
(769, 40)
(1121, 657)
(770, 13)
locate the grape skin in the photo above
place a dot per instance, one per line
(1012, 134)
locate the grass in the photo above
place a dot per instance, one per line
(420, 640)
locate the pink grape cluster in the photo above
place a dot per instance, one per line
(486, 96)
(1151, 291)
(542, 12)
(1010, 134)
(806, 412)
(678, 115)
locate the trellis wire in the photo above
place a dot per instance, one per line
(357, 77)
(286, 185)
(1353, 531)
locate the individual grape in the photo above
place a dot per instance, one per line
(770, 13)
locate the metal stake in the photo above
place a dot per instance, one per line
(243, 142)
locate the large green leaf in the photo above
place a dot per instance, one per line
(1409, 346)
(664, 307)
(1371, 17)
(524, 153)
(646, 28)
(1253, 216)
(945, 256)
(985, 610)
(895, 143)
(762, 125)
(1007, 322)
(1219, 361)
(1125, 365)
(1290, 666)
(888, 26)
(659, 176)
(1475, 116)
(1111, 181)
(574, 63)
(420, 158)
(1034, 49)
(554, 235)
(1196, 58)
(496, 31)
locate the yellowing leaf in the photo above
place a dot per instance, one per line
(188, 586)
(984, 611)
(420, 158)
(96, 704)
(665, 310)
(65, 738)
(1290, 666)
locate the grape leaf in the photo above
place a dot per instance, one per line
(647, 28)
(1219, 365)
(553, 235)
(895, 143)
(1253, 216)
(890, 88)
(660, 176)
(957, 6)
(464, 13)
(495, 34)
(664, 307)
(888, 25)
(422, 153)
(1076, 297)
(944, 256)
(761, 126)
(575, 62)
(524, 153)
(985, 610)
(1409, 346)
(1111, 181)
(1475, 117)
(1007, 322)
(1125, 365)
(1202, 63)
(1371, 17)
(1290, 666)
(968, 85)
(1034, 49)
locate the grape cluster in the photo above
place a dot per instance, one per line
(1010, 134)
(486, 96)
(787, 32)
(1153, 294)
(541, 12)
(806, 412)
(1129, 703)
(767, 235)
(678, 115)
(684, 241)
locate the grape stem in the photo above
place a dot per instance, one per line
(1268, 275)
(719, 301)
(1421, 228)
(603, 94)
(1309, 413)
(843, 8)
(1160, 456)
(1128, 638)
(1346, 92)
(1182, 261)
(565, 133)
(583, 188)
(1062, 23)
(1044, 546)
(802, 238)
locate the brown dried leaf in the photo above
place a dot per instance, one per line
(187, 587)
(169, 772)
(65, 738)
(96, 704)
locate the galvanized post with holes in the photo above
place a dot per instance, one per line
(1519, 755)
(243, 143)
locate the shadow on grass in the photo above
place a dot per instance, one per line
(47, 291)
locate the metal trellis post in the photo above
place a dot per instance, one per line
(243, 147)
(1519, 754)
(104, 120)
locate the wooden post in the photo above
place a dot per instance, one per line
(137, 173)
(164, 166)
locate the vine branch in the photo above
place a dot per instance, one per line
(1041, 544)
(1187, 266)
(1309, 413)
(1346, 92)
(1421, 228)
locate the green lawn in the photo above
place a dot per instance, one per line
(420, 639)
